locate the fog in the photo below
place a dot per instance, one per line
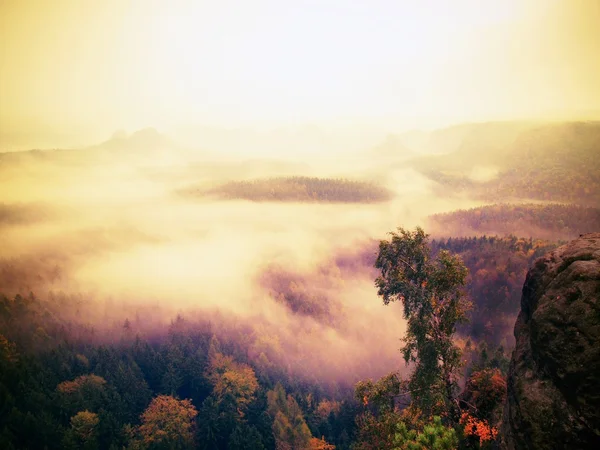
(116, 227)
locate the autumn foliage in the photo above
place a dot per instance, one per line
(231, 377)
(319, 444)
(79, 383)
(486, 391)
(478, 428)
(168, 422)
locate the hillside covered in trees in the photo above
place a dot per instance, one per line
(68, 383)
(134, 318)
(550, 162)
(549, 221)
(497, 268)
(65, 384)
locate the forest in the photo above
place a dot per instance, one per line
(549, 221)
(556, 162)
(141, 307)
(303, 189)
(65, 385)
(299, 225)
(204, 382)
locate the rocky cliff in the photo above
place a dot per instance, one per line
(553, 396)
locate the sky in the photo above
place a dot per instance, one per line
(86, 65)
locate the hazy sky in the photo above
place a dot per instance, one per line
(126, 64)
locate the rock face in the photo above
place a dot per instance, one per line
(553, 398)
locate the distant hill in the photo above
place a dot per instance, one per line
(463, 137)
(392, 147)
(553, 161)
(147, 142)
(144, 139)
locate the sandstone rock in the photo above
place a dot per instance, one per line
(553, 398)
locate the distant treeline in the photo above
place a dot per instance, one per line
(539, 183)
(554, 221)
(554, 162)
(497, 269)
(302, 189)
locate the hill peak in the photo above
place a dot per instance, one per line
(145, 138)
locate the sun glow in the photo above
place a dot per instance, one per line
(118, 64)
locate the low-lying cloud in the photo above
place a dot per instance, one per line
(299, 276)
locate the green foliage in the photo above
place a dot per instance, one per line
(114, 376)
(245, 437)
(376, 431)
(430, 290)
(84, 431)
(382, 394)
(209, 425)
(485, 391)
(435, 436)
(289, 427)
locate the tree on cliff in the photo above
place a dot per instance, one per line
(430, 289)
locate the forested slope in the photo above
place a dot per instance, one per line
(557, 162)
(548, 221)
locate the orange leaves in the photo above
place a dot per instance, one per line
(487, 385)
(320, 444)
(168, 421)
(478, 428)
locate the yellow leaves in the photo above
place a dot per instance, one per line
(8, 350)
(84, 424)
(82, 360)
(326, 407)
(230, 377)
(167, 421)
(71, 387)
(240, 382)
(289, 427)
